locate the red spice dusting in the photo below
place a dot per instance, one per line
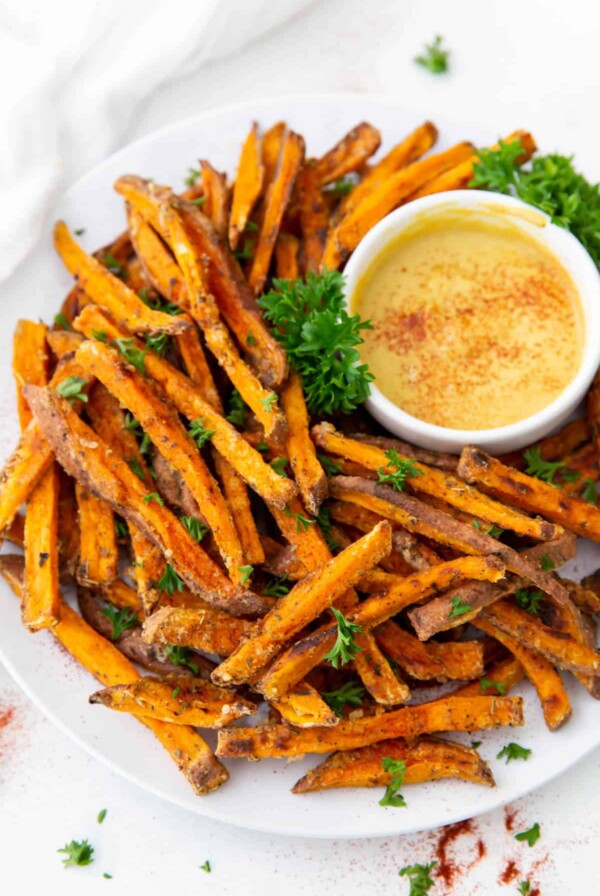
(509, 818)
(510, 872)
(481, 850)
(7, 717)
(447, 868)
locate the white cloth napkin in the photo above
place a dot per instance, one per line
(73, 73)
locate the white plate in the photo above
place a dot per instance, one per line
(258, 794)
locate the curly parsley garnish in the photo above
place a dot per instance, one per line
(344, 648)
(403, 470)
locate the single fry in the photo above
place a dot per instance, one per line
(109, 292)
(98, 550)
(349, 154)
(204, 628)
(189, 402)
(305, 602)
(216, 194)
(530, 493)
(437, 483)
(572, 436)
(62, 342)
(446, 714)
(427, 759)
(178, 699)
(271, 149)
(375, 672)
(99, 469)
(41, 598)
(236, 495)
(191, 754)
(308, 472)
(247, 186)
(442, 661)
(30, 361)
(545, 679)
(287, 250)
(304, 708)
(502, 677)
(276, 200)
(314, 215)
(193, 356)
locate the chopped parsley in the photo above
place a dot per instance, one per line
(170, 581)
(196, 528)
(246, 572)
(72, 389)
(121, 620)
(199, 433)
(77, 853)
(434, 57)
(396, 768)
(486, 683)
(351, 693)
(419, 877)
(529, 599)
(513, 751)
(344, 649)
(459, 607)
(403, 470)
(531, 836)
(180, 656)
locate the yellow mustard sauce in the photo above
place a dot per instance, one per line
(475, 324)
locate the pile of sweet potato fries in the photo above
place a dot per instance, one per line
(226, 545)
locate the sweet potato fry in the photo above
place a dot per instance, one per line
(216, 194)
(530, 493)
(178, 699)
(281, 560)
(308, 472)
(98, 550)
(41, 599)
(192, 354)
(583, 462)
(409, 150)
(386, 196)
(427, 759)
(437, 483)
(206, 628)
(314, 215)
(507, 673)
(120, 595)
(436, 615)
(445, 661)
(304, 536)
(302, 604)
(296, 661)
(348, 154)
(155, 203)
(547, 682)
(304, 708)
(432, 523)
(111, 293)
(236, 494)
(15, 533)
(446, 714)
(62, 342)
(559, 648)
(235, 299)
(191, 754)
(30, 361)
(68, 528)
(438, 459)
(89, 460)
(459, 177)
(287, 249)
(271, 148)
(375, 672)
(188, 401)
(555, 447)
(158, 263)
(277, 198)
(583, 597)
(167, 434)
(247, 186)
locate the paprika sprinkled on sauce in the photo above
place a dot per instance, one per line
(475, 324)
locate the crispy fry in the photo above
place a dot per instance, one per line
(178, 699)
(349, 154)
(445, 661)
(508, 673)
(287, 249)
(566, 440)
(446, 714)
(277, 198)
(438, 459)
(120, 595)
(547, 682)
(191, 754)
(427, 759)
(68, 527)
(192, 354)
(111, 293)
(30, 361)
(235, 299)
(304, 708)
(271, 148)
(15, 533)
(314, 215)
(305, 538)
(281, 560)
(104, 473)
(41, 599)
(530, 493)
(204, 628)
(247, 186)
(386, 196)
(188, 401)
(437, 483)
(558, 647)
(216, 194)
(98, 550)
(458, 178)
(169, 437)
(584, 461)
(156, 204)
(305, 602)
(583, 597)
(374, 669)
(432, 523)
(63, 342)
(436, 615)
(308, 472)
(236, 494)
(295, 662)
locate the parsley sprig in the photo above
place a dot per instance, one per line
(434, 57)
(121, 620)
(180, 656)
(170, 581)
(486, 683)
(193, 525)
(199, 432)
(551, 183)
(396, 768)
(72, 389)
(529, 599)
(531, 836)
(351, 693)
(459, 607)
(420, 878)
(277, 587)
(546, 470)
(77, 853)
(344, 649)
(513, 751)
(403, 470)
(320, 338)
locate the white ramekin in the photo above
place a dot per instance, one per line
(574, 258)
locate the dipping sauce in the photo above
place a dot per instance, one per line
(475, 324)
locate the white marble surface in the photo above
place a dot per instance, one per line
(514, 64)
